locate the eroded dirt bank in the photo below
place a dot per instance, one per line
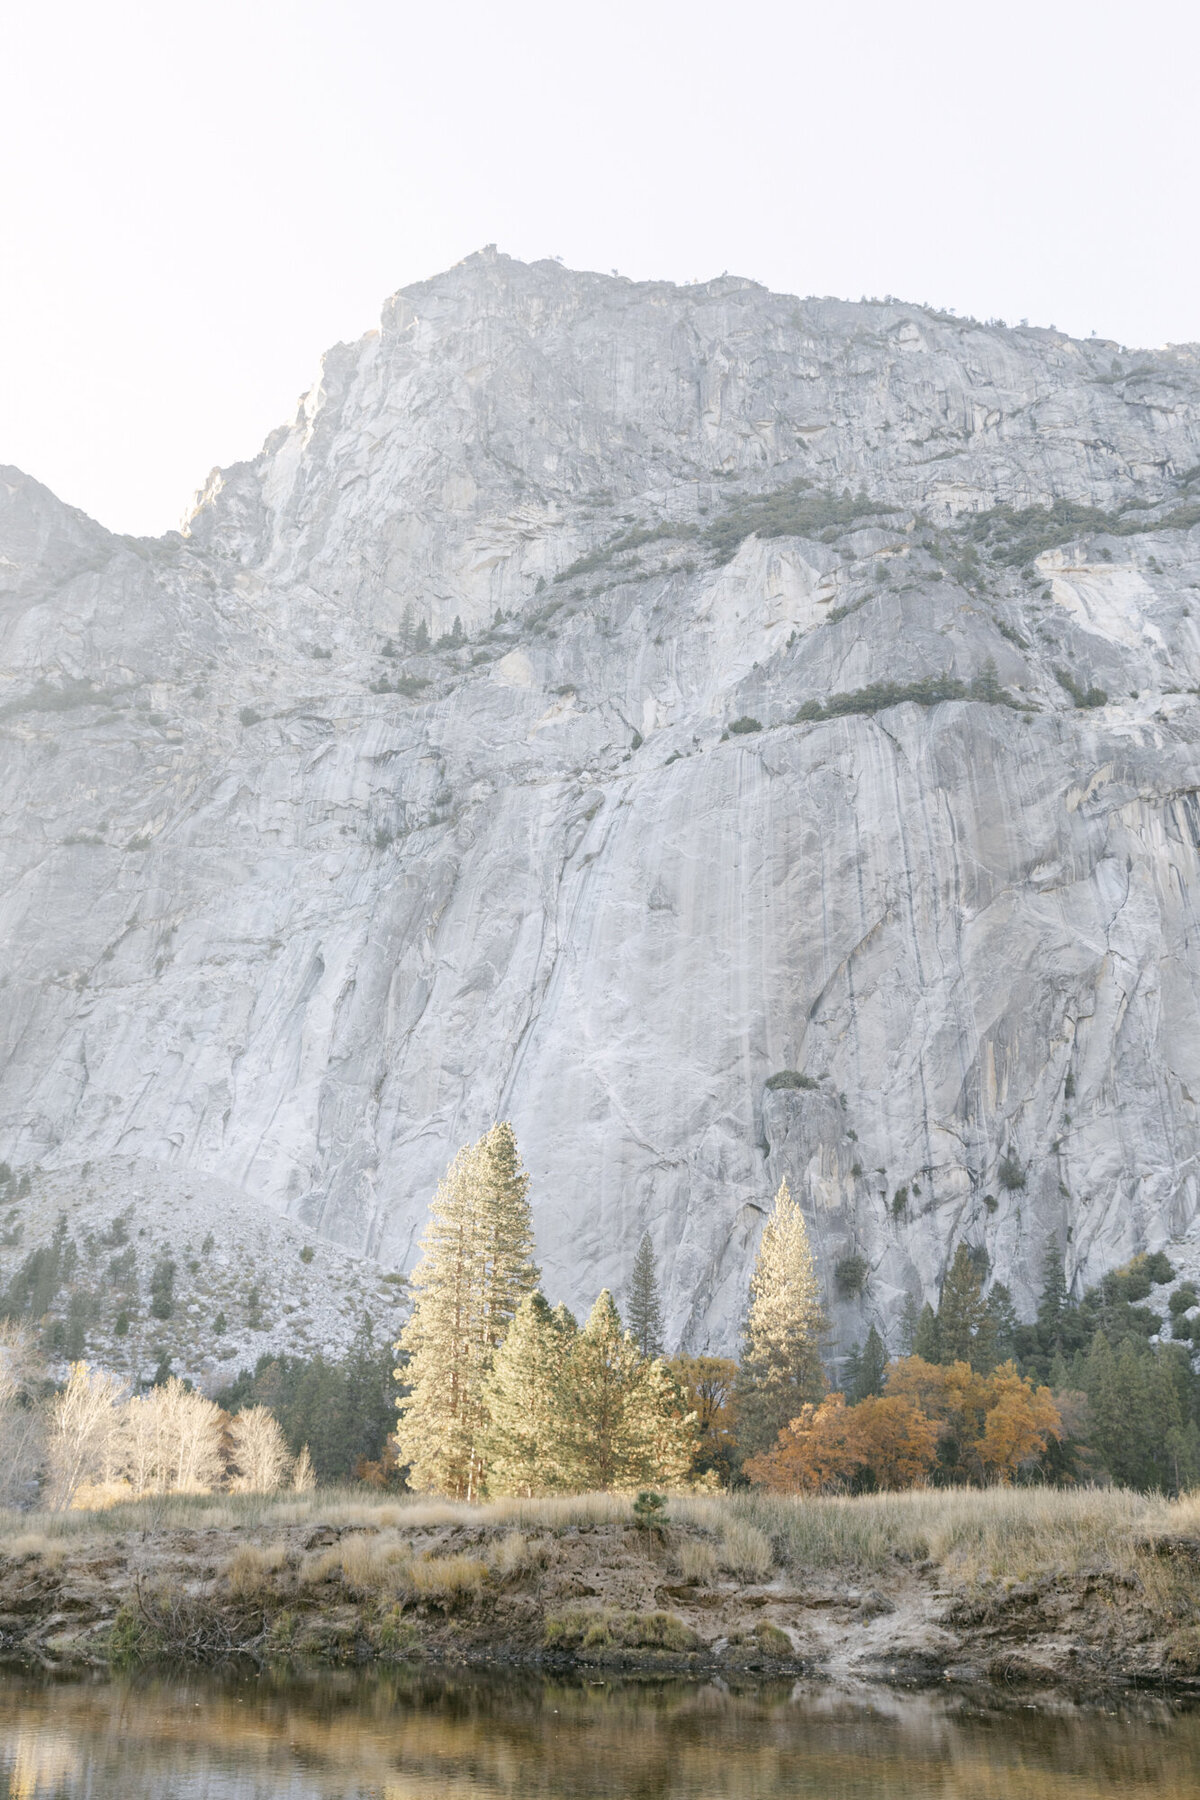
(710, 1592)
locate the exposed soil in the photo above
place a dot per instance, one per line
(603, 1595)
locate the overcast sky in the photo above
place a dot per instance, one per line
(197, 200)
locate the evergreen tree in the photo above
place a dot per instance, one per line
(624, 1421)
(781, 1363)
(927, 1339)
(1001, 1325)
(961, 1312)
(643, 1308)
(343, 1409)
(852, 1373)
(1053, 1302)
(524, 1398)
(872, 1368)
(421, 637)
(476, 1267)
(909, 1315)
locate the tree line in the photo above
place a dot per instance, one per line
(504, 1394)
(92, 1443)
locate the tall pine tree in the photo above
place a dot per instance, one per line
(476, 1267)
(961, 1312)
(643, 1309)
(781, 1361)
(872, 1367)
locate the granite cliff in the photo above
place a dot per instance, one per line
(732, 736)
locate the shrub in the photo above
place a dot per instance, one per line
(899, 1202)
(1159, 1267)
(741, 726)
(307, 1254)
(1093, 696)
(791, 511)
(612, 1630)
(248, 716)
(790, 1078)
(1010, 1173)
(649, 1511)
(772, 1640)
(1184, 1298)
(850, 1274)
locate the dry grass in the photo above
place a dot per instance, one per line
(977, 1534)
(386, 1567)
(445, 1577)
(514, 1555)
(696, 1561)
(37, 1543)
(746, 1551)
(249, 1570)
(337, 1506)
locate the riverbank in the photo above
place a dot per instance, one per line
(1054, 1589)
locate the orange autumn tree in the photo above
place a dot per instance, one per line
(934, 1420)
(989, 1425)
(885, 1441)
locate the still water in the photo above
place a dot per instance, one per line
(468, 1737)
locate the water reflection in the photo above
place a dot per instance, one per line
(412, 1736)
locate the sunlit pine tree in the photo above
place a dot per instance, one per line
(781, 1360)
(476, 1267)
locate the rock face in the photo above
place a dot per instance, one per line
(293, 902)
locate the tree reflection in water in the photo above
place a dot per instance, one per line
(413, 1735)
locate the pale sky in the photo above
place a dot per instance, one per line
(195, 201)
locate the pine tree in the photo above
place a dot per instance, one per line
(781, 1363)
(523, 1397)
(476, 1267)
(961, 1312)
(872, 1367)
(1000, 1327)
(597, 1441)
(644, 1308)
(927, 1338)
(625, 1424)
(909, 1315)
(1053, 1302)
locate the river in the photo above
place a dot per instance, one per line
(414, 1735)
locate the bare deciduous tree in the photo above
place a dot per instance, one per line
(260, 1454)
(170, 1441)
(81, 1432)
